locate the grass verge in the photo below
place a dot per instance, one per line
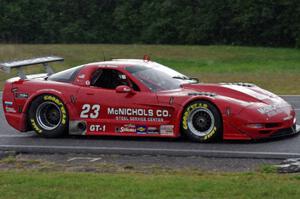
(276, 69)
(37, 178)
(32, 185)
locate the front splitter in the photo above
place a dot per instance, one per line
(297, 128)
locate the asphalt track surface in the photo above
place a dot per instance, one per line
(12, 140)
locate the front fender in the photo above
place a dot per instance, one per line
(184, 104)
(226, 106)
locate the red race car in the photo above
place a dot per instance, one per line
(127, 97)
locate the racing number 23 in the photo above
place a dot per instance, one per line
(90, 111)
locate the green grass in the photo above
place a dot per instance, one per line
(276, 69)
(22, 177)
(33, 185)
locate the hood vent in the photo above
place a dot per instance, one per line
(202, 94)
(239, 84)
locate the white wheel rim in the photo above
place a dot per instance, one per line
(205, 123)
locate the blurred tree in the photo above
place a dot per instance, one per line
(235, 22)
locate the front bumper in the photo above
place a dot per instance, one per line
(277, 123)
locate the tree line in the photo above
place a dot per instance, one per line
(234, 22)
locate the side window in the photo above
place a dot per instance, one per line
(110, 79)
(66, 75)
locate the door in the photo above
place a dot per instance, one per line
(114, 105)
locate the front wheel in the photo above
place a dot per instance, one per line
(48, 116)
(201, 121)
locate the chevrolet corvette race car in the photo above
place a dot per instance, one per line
(128, 97)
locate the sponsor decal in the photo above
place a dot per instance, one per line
(82, 76)
(211, 133)
(122, 76)
(188, 111)
(61, 106)
(167, 129)
(130, 112)
(35, 126)
(139, 114)
(127, 128)
(266, 109)
(270, 110)
(141, 129)
(53, 99)
(64, 115)
(97, 128)
(152, 130)
(139, 119)
(109, 66)
(7, 103)
(10, 110)
(22, 95)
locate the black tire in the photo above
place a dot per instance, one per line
(48, 116)
(201, 122)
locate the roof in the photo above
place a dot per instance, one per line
(124, 62)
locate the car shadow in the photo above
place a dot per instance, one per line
(181, 139)
(265, 140)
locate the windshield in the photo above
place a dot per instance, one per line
(158, 77)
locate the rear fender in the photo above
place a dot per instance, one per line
(65, 99)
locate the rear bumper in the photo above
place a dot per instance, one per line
(17, 121)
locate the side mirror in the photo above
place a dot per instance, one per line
(124, 89)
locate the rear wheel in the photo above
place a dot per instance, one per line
(48, 116)
(201, 122)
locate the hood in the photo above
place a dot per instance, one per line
(241, 91)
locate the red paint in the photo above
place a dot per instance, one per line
(150, 109)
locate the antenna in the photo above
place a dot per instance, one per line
(146, 58)
(104, 58)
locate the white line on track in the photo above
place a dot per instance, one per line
(293, 102)
(84, 158)
(14, 136)
(289, 95)
(112, 149)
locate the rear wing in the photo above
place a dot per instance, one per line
(19, 65)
